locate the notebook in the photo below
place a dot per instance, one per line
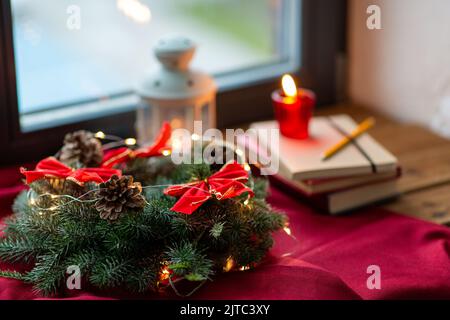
(302, 159)
(317, 186)
(342, 201)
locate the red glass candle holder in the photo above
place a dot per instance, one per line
(294, 113)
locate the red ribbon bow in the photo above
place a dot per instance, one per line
(224, 184)
(122, 155)
(51, 168)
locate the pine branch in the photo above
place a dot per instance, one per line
(260, 188)
(110, 272)
(17, 250)
(145, 276)
(84, 259)
(216, 230)
(142, 280)
(48, 275)
(12, 275)
(21, 205)
(185, 260)
(263, 220)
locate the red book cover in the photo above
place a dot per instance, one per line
(343, 200)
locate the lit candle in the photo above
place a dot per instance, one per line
(293, 108)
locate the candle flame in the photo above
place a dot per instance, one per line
(289, 86)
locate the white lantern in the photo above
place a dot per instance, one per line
(175, 93)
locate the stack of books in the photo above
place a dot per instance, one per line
(362, 173)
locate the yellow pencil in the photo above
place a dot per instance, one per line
(362, 128)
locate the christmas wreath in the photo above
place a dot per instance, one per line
(129, 218)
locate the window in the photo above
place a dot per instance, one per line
(71, 54)
(73, 64)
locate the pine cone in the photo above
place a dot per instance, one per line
(81, 147)
(119, 194)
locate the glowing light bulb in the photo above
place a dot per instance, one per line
(166, 153)
(100, 135)
(195, 137)
(288, 230)
(289, 86)
(247, 167)
(165, 274)
(239, 152)
(229, 265)
(130, 142)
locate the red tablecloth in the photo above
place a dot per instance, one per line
(327, 259)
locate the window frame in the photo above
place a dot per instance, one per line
(323, 28)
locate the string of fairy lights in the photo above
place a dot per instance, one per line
(34, 200)
(130, 142)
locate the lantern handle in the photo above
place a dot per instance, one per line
(175, 52)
